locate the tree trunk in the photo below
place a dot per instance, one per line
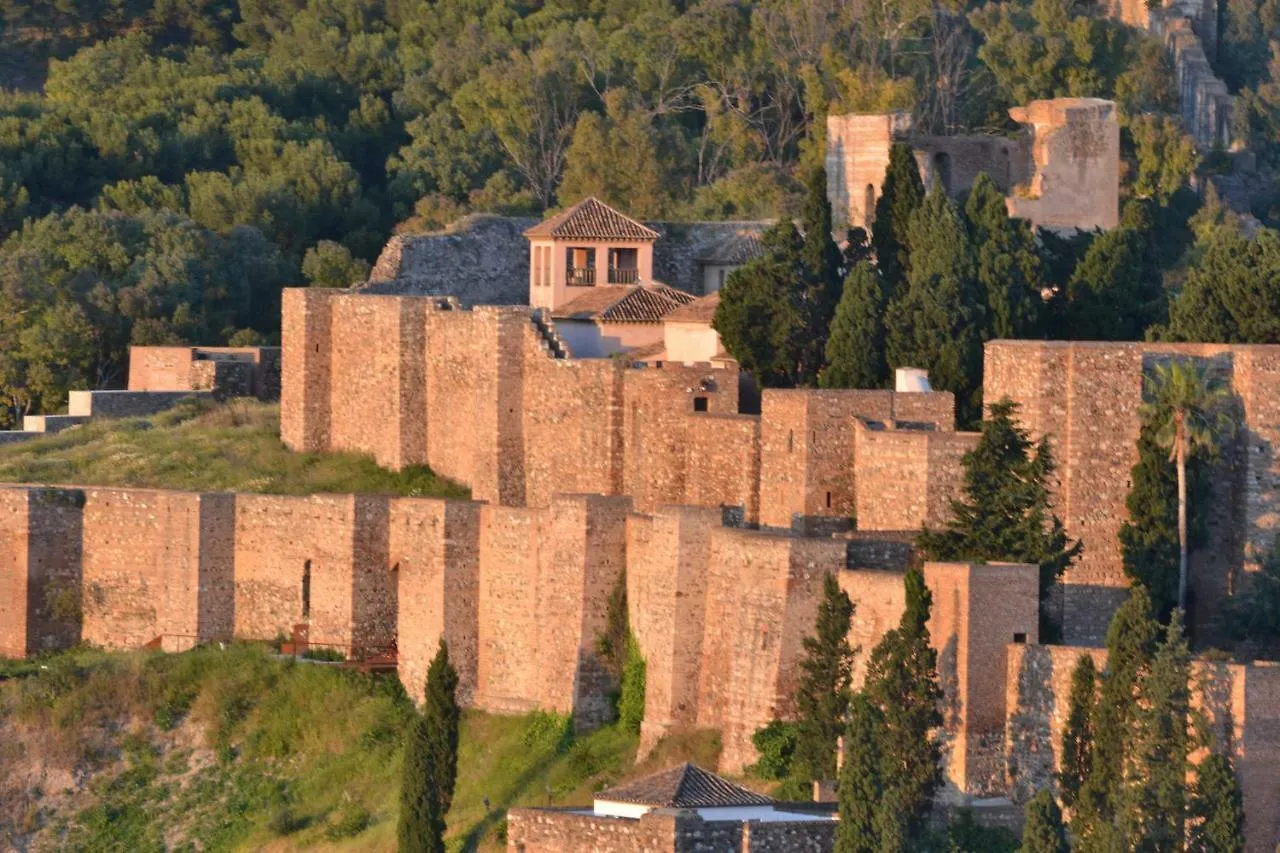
(1182, 524)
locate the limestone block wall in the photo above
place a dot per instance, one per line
(667, 558)
(565, 831)
(857, 156)
(807, 446)
(906, 478)
(1085, 397)
(40, 574)
(762, 595)
(1075, 146)
(226, 371)
(434, 556)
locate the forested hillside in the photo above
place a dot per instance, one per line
(176, 162)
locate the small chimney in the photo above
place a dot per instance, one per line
(909, 380)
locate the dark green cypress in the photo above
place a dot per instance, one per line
(431, 762)
(1155, 799)
(822, 698)
(1131, 644)
(1010, 272)
(861, 787)
(1117, 290)
(934, 322)
(1043, 831)
(1217, 808)
(1077, 735)
(900, 194)
(902, 685)
(855, 347)
(1005, 513)
(820, 286)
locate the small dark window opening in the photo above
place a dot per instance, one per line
(828, 500)
(317, 348)
(791, 441)
(306, 590)
(1020, 638)
(699, 404)
(813, 436)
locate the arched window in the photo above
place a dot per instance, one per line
(869, 204)
(306, 590)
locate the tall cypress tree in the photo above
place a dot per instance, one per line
(902, 685)
(1005, 513)
(1010, 271)
(1217, 808)
(1117, 290)
(861, 787)
(431, 762)
(1043, 831)
(1155, 801)
(1077, 735)
(759, 317)
(900, 194)
(855, 347)
(1131, 644)
(822, 698)
(934, 322)
(820, 287)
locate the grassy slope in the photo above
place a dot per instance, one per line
(145, 751)
(231, 447)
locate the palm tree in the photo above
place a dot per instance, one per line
(1188, 407)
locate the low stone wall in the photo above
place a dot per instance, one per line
(566, 831)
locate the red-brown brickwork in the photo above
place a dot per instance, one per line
(1086, 397)
(40, 575)
(434, 552)
(906, 478)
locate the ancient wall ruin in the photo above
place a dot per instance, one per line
(225, 371)
(1085, 397)
(1061, 172)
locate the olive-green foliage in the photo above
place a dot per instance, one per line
(775, 743)
(855, 347)
(1217, 808)
(1253, 619)
(1005, 513)
(430, 769)
(1043, 831)
(206, 447)
(822, 696)
(631, 694)
(76, 289)
(330, 264)
(1230, 295)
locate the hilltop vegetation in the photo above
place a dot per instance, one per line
(201, 446)
(238, 750)
(185, 159)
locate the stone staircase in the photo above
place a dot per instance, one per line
(550, 339)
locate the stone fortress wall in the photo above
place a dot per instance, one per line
(476, 395)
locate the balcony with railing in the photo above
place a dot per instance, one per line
(587, 277)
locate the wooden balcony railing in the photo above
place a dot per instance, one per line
(623, 276)
(581, 276)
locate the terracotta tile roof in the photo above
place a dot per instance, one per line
(633, 303)
(701, 310)
(735, 249)
(591, 219)
(684, 787)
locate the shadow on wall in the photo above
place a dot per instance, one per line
(1030, 738)
(55, 571)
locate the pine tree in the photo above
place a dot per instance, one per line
(934, 321)
(1005, 513)
(855, 347)
(902, 685)
(758, 317)
(431, 762)
(1217, 808)
(1254, 615)
(900, 194)
(1043, 831)
(861, 787)
(1117, 291)
(1230, 295)
(1077, 735)
(820, 290)
(822, 698)
(1155, 798)
(1010, 272)
(1131, 643)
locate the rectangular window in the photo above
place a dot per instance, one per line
(699, 404)
(1019, 637)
